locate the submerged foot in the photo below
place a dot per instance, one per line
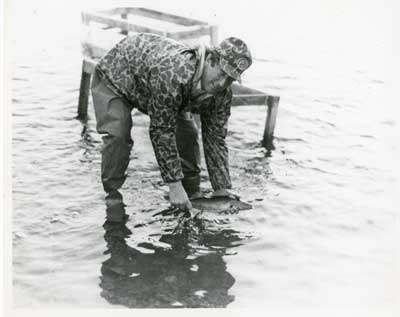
(113, 197)
(115, 207)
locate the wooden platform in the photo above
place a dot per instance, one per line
(152, 21)
(110, 26)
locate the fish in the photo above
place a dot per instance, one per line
(209, 204)
(220, 204)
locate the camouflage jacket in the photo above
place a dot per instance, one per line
(155, 75)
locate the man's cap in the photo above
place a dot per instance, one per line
(235, 57)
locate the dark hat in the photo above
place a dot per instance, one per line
(235, 57)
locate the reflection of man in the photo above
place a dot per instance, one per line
(162, 278)
(168, 81)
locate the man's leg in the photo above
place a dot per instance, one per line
(187, 139)
(114, 121)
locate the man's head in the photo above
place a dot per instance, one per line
(224, 64)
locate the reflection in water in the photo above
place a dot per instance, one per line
(179, 276)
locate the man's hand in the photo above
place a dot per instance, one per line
(224, 193)
(178, 197)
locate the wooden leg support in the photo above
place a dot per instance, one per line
(214, 35)
(272, 102)
(84, 95)
(124, 16)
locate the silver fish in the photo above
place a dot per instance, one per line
(208, 204)
(220, 204)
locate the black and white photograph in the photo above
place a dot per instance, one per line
(188, 155)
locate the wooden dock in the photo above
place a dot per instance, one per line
(118, 22)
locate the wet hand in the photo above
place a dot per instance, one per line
(178, 197)
(225, 193)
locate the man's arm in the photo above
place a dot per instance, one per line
(214, 129)
(162, 136)
(163, 116)
(166, 80)
(165, 100)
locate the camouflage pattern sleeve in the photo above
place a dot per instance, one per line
(162, 136)
(166, 80)
(214, 129)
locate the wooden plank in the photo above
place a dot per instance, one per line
(249, 100)
(193, 32)
(115, 22)
(114, 11)
(163, 16)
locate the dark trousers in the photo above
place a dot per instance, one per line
(114, 122)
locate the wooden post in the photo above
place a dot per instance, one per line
(85, 20)
(124, 16)
(214, 35)
(272, 102)
(84, 95)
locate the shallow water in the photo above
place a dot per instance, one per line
(321, 231)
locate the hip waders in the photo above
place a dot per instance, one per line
(114, 122)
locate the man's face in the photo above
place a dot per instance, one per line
(214, 79)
